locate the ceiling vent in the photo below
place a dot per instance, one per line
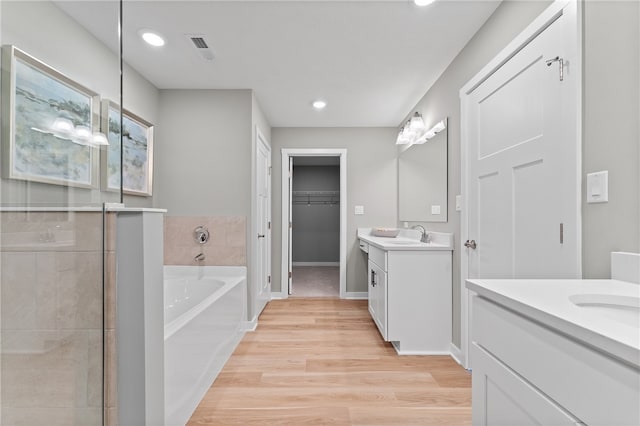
(201, 46)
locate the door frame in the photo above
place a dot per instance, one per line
(572, 9)
(253, 290)
(287, 153)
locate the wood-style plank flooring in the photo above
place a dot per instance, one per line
(323, 362)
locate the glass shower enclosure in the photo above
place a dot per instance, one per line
(57, 340)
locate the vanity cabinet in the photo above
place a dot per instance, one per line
(527, 373)
(410, 298)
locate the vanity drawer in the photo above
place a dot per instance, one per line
(592, 386)
(379, 257)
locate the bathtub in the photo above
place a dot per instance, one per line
(205, 307)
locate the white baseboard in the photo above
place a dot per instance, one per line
(356, 295)
(315, 263)
(279, 295)
(249, 325)
(419, 352)
(456, 354)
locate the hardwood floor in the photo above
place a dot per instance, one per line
(323, 362)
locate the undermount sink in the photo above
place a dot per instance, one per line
(406, 242)
(624, 309)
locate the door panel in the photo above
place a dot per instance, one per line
(506, 117)
(263, 189)
(517, 169)
(495, 244)
(522, 159)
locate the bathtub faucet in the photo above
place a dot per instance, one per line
(199, 257)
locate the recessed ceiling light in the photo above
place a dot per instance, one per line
(319, 104)
(422, 2)
(152, 38)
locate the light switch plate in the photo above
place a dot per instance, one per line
(598, 187)
(435, 209)
(359, 210)
(458, 203)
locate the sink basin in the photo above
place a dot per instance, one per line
(624, 309)
(406, 242)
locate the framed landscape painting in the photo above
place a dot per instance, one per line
(137, 151)
(48, 122)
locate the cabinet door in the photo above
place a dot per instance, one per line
(378, 297)
(502, 398)
(373, 293)
(381, 288)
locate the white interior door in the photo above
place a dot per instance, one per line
(522, 188)
(263, 193)
(290, 245)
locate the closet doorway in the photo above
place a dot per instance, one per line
(314, 223)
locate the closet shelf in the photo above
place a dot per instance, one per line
(316, 197)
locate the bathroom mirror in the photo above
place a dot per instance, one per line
(422, 181)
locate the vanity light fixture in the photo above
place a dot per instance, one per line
(403, 138)
(99, 138)
(319, 104)
(62, 126)
(439, 126)
(422, 2)
(416, 123)
(152, 38)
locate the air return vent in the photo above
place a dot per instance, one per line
(199, 42)
(201, 46)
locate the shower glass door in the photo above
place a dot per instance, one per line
(56, 341)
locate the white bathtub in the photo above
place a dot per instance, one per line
(205, 307)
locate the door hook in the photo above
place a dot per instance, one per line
(560, 62)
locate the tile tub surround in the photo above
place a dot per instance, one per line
(226, 245)
(52, 317)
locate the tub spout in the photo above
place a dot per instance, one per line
(199, 257)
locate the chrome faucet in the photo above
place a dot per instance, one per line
(199, 257)
(424, 235)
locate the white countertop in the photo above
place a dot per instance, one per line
(408, 239)
(547, 301)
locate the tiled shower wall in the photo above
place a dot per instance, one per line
(226, 245)
(51, 319)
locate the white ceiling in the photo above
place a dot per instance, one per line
(371, 61)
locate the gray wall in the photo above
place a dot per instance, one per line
(36, 26)
(371, 182)
(610, 122)
(611, 132)
(443, 100)
(203, 153)
(316, 227)
(205, 158)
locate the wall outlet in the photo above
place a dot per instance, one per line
(435, 209)
(359, 210)
(458, 203)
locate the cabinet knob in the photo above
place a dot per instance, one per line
(470, 244)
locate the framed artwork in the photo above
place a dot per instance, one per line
(137, 151)
(48, 122)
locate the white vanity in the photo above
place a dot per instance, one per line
(558, 352)
(409, 284)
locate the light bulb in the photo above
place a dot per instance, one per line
(319, 104)
(416, 123)
(152, 38)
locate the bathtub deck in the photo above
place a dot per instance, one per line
(322, 361)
